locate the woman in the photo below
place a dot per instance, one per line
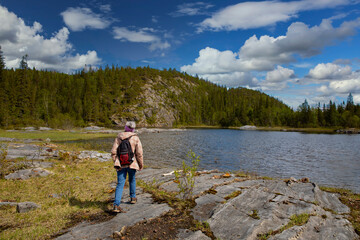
(123, 170)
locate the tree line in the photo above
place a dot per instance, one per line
(47, 98)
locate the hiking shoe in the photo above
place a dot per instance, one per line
(133, 200)
(118, 209)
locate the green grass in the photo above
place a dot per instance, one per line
(54, 135)
(83, 193)
(232, 195)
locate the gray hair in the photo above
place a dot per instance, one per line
(131, 124)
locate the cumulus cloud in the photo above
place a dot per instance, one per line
(234, 79)
(145, 35)
(280, 74)
(241, 15)
(300, 39)
(213, 61)
(329, 71)
(264, 53)
(335, 79)
(192, 9)
(277, 79)
(342, 87)
(18, 39)
(78, 19)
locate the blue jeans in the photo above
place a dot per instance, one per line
(121, 178)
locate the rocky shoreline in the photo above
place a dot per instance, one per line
(233, 206)
(261, 207)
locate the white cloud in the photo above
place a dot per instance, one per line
(279, 74)
(234, 79)
(329, 71)
(213, 61)
(18, 39)
(78, 19)
(264, 53)
(145, 35)
(342, 87)
(248, 15)
(299, 39)
(191, 9)
(356, 98)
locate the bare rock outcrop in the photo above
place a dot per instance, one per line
(28, 173)
(237, 208)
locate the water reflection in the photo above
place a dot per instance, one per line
(326, 159)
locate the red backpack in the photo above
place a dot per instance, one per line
(124, 152)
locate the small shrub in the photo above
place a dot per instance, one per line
(185, 177)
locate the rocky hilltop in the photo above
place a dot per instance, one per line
(155, 106)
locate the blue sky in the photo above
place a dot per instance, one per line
(292, 50)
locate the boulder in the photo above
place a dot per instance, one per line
(26, 207)
(45, 129)
(28, 173)
(248, 127)
(102, 157)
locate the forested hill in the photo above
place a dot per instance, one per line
(115, 94)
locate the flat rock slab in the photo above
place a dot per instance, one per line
(267, 205)
(28, 151)
(144, 209)
(262, 206)
(28, 173)
(154, 175)
(186, 234)
(102, 157)
(202, 183)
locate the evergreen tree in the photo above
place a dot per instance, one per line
(350, 103)
(4, 114)
(23, 63)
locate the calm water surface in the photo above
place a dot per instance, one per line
(332, 160)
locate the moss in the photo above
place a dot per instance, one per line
(211, 190)
(233, 195)
(254, 214)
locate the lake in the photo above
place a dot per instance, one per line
(327, 159)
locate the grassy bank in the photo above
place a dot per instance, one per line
(54, 135)
(76, 191)
(305, 130)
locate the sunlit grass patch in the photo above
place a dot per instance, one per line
(75, 192)
(232, 195)
(54, 135)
